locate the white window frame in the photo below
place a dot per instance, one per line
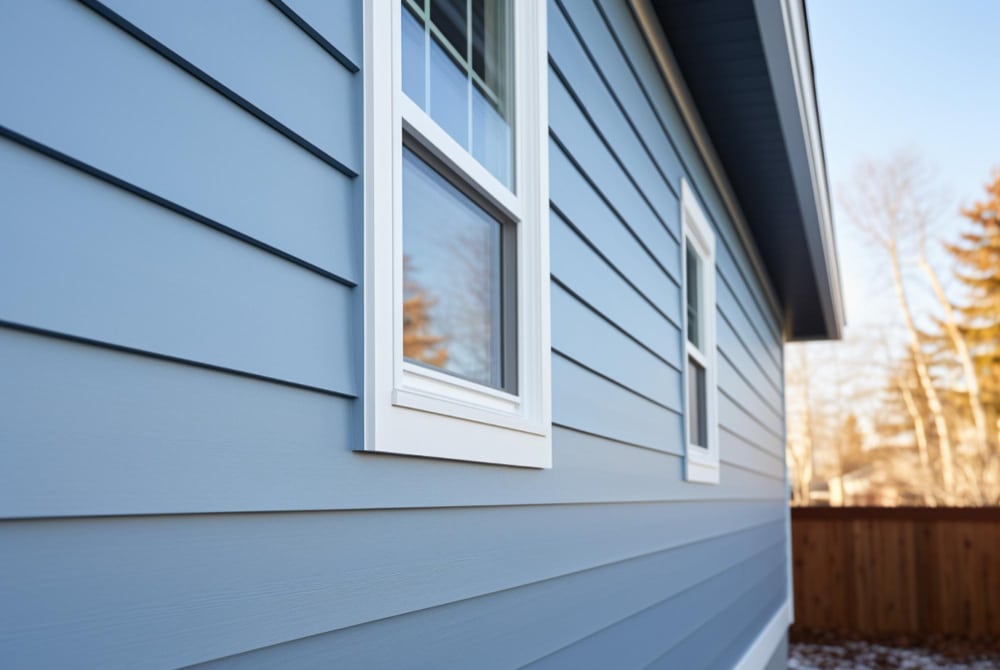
(411, 409)
(701, 463)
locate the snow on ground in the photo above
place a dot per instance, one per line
(828, 653)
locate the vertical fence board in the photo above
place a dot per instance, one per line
(897, 570)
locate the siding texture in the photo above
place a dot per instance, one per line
(180, 246)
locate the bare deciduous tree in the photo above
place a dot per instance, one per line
(888, 203)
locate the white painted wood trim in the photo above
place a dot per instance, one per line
(649, 24)
(763, 647)
(414, 410)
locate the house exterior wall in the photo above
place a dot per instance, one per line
(181, 364)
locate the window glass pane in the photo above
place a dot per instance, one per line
(413, 55)
(449, 90)
(693, 297)
(464, 81)
(452, 22)
(697, 403)
(452, 278)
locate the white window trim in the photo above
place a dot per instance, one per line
(410, 409)
(701, 463)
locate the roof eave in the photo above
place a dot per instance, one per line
(785, 38)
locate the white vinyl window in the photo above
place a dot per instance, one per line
(456, 237)
(700, 393)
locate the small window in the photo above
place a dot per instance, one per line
(457, 278)
(702, 453)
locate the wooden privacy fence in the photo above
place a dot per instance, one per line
(878, 571)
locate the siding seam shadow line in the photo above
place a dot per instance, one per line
(121, 348)
(129, 187)
(173, 57)
(758, 473)
(750, 443)
(397, 508)
(315, 35)
(618, 440)
(614, 381)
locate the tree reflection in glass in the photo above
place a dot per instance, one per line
(452, 278)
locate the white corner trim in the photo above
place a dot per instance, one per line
(649, 25)
(762, 648)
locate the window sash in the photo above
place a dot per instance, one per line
(503, 308)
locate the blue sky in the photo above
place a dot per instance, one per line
(916, 74)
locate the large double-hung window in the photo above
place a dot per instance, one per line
(457, 333)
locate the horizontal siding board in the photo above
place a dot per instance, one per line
(720, 641)
(510, 628)
(169, 591)
(99, 263)
(584, 335)
(737, 420)
(590, 276)
(630, 40)
(575, 133)
(733, 449)
(730, 272)
(594, 33)
(111, 102)
(134, 435)
(582, 207)
(253, 50)
(733, 384)
(640, 639)
(585, 401)
(766, 351)
(743, 359)
(574, 65)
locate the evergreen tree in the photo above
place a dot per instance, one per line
(978, 260)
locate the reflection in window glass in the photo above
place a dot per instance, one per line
(697, 420)
(457, 67)
(452, 278)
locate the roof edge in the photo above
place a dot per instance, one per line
(785, 38)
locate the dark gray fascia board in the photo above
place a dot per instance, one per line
(785, 38)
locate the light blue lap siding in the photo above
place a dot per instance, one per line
(111, 102)
(181, 359)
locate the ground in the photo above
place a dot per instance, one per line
(838, 652)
